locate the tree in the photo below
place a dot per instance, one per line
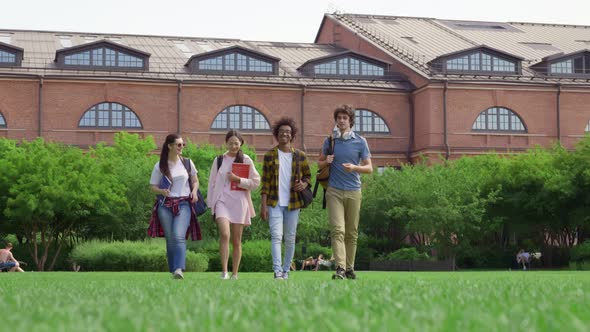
(55, 192)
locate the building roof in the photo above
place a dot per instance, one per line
(169, 54)
(416, 41)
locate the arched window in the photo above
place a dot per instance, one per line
(368, 122)
(498, 119)
(240, 117)
(2, 121)
(109, 115)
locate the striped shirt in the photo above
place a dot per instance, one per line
(270, 177)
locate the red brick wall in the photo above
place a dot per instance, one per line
(19, 106)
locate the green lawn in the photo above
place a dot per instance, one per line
(309, 301)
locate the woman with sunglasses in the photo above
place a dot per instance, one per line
(232, 208)
(173, 216)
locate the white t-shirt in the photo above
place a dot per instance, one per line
(180, 186)
(285, 164)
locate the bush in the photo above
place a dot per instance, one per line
(148, 255)
(405, 254)
(581, 252)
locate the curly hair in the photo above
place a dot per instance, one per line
(345, 109)
(284, 122)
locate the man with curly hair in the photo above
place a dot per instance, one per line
(285, 173)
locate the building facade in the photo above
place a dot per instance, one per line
(420, 86)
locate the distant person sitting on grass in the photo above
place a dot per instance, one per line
(7, 260)
(524, 258)
(310, 261)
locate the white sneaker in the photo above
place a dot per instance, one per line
(234, 277)
(285, 275)
(278, 275)
(178, 274)
(224, 276)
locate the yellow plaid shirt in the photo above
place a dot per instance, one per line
(270, 177)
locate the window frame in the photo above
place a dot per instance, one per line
(511, 115)
(585, 56)
(16, 51)
(3, 124)
(241, 121)
(359, 120)
(440, 64)
(60, 56)
(309, 68)
(124, 109)
(193, 62)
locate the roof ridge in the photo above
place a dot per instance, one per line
(454, 33)
(416, 59)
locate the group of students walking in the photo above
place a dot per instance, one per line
(285, 174)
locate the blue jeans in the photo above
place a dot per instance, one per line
(282, 221)
(175, 228)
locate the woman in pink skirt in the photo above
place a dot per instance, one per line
(232, 208)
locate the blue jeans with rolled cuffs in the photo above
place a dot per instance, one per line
(175, 228)
(282, 222)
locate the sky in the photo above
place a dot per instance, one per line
(263, 20)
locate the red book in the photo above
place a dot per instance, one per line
(241, 170)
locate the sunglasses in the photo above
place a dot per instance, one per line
(180, 145)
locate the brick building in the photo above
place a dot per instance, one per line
(419, 85)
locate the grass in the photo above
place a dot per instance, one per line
(309, 301)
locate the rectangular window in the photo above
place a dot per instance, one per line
(343, 66)
(78, 59)
(242, 62)
(234, 117)
(486, 62)
(103, 118)
(211, 64)
(230, 62)
(563, 67)
(97, 57)
(6, 57)
(117, 118)
(326, 68)
(492, 119)
(461, 63)
(474, 62)
(504, 119)
(110, 57)
(355, 68)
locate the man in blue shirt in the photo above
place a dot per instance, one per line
(350, 158)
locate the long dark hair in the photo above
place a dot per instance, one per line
(230, 134)
(164, 169)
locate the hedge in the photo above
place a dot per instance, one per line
(149, 255)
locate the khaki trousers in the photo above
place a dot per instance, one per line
(343, 211)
